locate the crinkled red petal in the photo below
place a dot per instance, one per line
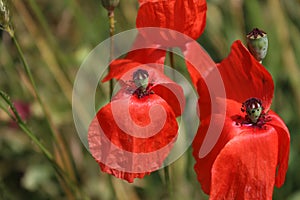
(246, 166)
(185, 16)
(131, 137)
(244, 77)
(104, 152)
(283, 147)
(122, 175)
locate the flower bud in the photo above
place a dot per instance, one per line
(4, 15)
(110, 4)
(257, 42)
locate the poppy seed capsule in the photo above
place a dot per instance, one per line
(141, 78)
(110, 4)
(253, 108)
(257, 43)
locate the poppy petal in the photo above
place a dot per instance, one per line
(118, 68)
(246, 166)
(152, 54)
(244, 77)
(283, 147)
(154, 57)
(100, 148)
(203, 165)
(185, 16)
(132, 137)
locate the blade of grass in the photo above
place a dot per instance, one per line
(60, 172)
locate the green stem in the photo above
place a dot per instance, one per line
(16, 117)
(167, 182)
(58, 143)
(111, 18)
(29, 74)
(23, 126)
(172, 63)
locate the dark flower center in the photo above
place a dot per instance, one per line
(256, 33)
(141, 80)
(255, 114)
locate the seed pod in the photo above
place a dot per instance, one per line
(141, 78)
(110, 4)
(257, 42)
(253, 107)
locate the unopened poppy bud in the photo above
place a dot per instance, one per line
(4, 15)
(257, 42)
(253, 108)
(110, 4)
(141, 78)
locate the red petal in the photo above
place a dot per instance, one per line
(119, 67)
(246, 166)
(185, 16)
(122, 175)
(154, 54)
(203, 165)
(128, 125)
(140, 55)
(283, 147)
(244, 77)
(205, 77)
(133, 137)
(213, 142)
(100, 148)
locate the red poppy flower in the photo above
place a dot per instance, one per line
(251, 154)
(184, 16)
(133, 134)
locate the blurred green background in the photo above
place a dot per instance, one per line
(57, 35)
